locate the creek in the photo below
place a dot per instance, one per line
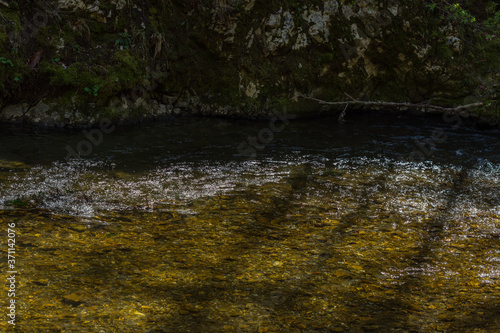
(331, 227)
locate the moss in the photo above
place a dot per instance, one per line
(77, 75)
(326, 57)
(46, 36)
(108, 113)
(487, 55)
(3, 36)
(444, 52)
(126, 67)
(191, 61)
(12, 20)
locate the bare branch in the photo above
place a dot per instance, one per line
(352, 98)
(393, 104)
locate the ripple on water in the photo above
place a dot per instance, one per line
(84, 187)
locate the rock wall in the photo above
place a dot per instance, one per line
(130, 60)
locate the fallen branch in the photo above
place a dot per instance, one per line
(393, 104)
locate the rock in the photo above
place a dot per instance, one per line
(331, 7)
(301, 41)
(251, 90)
(163, 109)
(72, 4)
(274, 21)
(189, 308)
(455, 43)
(182, 105)
(250, 5)
(282, 28)
(119, 4)
(317, 25)
(14, 112)
(72, 299)
(40, 111)
(278, 51)
(229, 33)
(4, 164)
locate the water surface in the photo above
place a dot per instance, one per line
(332, 227)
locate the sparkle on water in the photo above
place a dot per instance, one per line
(167, 228)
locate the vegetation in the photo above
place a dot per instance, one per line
(170, 48)
(124, 40)
(92, 91)
(463, 12)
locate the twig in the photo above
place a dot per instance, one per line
(349, 96)
(393, 104)
(342, 114)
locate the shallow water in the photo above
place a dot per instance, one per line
(331, 227)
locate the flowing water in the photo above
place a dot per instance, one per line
(331, 227)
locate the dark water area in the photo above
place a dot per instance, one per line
(384, 222)
(199, 139)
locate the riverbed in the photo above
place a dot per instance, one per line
(329, 227)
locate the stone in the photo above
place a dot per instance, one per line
(274, 21)
(14, 112)
(455, 43)
(163, 109)
(250, 5)
(331, 7)
(40, 110)
(251, 90)
(282, 30)
(317, 26)
(301, 41)
(72, 4)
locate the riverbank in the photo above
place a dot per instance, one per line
(72, 64)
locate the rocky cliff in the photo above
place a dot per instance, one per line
(73, 62)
